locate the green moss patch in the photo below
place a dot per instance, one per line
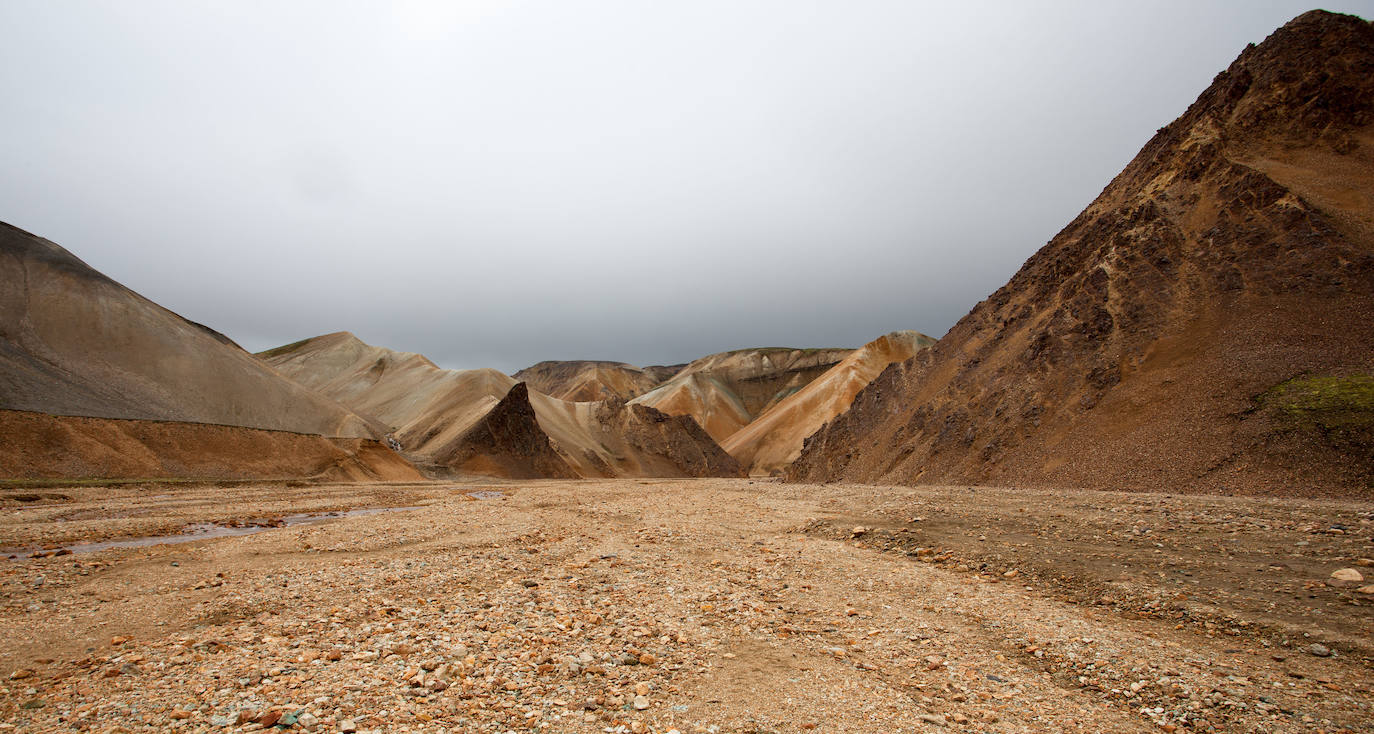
(1331, 404)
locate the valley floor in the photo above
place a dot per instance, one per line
(696, 605)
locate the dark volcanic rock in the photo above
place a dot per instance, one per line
(508, 442)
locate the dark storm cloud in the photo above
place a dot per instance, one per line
(493, 184)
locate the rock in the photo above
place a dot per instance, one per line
(933, 719)
(21, 674)
(641, 703)
(1366, 589)
(269, 719)
(647, 659)
(1319, 650)
(1347, 576)
(308, 720)
(857, 531)
(347, 726)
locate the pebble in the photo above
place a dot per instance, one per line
(1319, 650)
(520, 641)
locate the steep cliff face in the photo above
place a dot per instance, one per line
(482, 421)
(1205, 324)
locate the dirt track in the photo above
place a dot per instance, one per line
(742, 605)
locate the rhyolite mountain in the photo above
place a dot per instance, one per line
(774, 439)
(590, 380)
(482, 421)
(98, 381)
(725, 392)
(1206, 324)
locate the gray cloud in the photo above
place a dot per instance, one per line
(493, 184)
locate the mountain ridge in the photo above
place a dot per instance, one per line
(1230, 256)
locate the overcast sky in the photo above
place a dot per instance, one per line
(492, 184)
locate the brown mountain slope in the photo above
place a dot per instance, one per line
(587, 381)
(724, 392)
(774, 439)
(98, 382)
(445, 417)
(42, 446)
(74, 342)
(1205, 324)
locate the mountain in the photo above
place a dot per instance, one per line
(74, 342)
(725, 392)
(774, 439)
(87, 366)
(587, 381)
(483, 421)
(1204, 325)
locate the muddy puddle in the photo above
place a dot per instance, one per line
(207, 530)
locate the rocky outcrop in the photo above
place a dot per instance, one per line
(1142, 347)
(506, 442)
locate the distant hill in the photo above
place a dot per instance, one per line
(586, 381)
(724, 392)
(774, 439)
(482, 421)
(1206, 324)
